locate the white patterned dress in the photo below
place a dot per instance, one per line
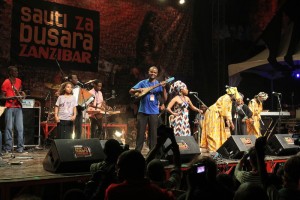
(180, 123)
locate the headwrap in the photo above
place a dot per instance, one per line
(233, 91)
(263, 96)
(177, 86)
(241, 96)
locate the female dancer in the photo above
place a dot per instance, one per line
(178, 108)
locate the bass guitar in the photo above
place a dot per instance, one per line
(146, 90)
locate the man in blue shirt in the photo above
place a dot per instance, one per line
(148, 90)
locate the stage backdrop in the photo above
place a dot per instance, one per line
(114, 41)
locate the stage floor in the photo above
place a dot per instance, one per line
(25, 172)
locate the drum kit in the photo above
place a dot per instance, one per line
(49, 99)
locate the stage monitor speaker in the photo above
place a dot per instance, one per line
(188, 148)
(281, 145)
(73, 155)
(236, 145)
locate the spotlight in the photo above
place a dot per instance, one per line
(181, 2)
(118, 134)
(296, 74)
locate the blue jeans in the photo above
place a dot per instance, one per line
(13, 125)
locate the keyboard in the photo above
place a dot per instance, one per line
(276, 113)
(103, 112)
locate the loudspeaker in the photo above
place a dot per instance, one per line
(68, 155)
(188, 148)
(236, 145)
(31, 123)
(281, 145)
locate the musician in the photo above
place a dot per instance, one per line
(178, 108)
(256, 106)
(214, 132)
(79, 109)
(240, 114)
(11, 88)
(96, 105)
(148, 108)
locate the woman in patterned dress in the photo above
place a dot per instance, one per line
(214, 133)
(178, 108)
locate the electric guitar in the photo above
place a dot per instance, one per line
(146, 90)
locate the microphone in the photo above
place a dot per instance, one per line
(276, 93)
(196, 93)
(226, 86)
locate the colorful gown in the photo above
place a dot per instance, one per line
(180, 123)
(213, 132)
(254, 127)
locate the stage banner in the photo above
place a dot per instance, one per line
(47, 34)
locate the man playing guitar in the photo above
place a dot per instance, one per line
(97, 105)
(11, 89)
(149, 107)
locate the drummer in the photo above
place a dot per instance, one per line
(97, 105)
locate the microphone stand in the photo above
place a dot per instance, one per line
(105, 116)
(279, 114)
(200, 102)
(82, 112)
(61, 71)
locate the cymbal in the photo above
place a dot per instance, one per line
(90, 81)
(52, 86)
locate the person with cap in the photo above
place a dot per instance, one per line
(214, 132)
(256, 106)
(178, 108)
(241, 114)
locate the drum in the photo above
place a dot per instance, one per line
(84, 98)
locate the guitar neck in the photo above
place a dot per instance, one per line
(148, 89)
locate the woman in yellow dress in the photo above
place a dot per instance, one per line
(256, 106)
(214, 133)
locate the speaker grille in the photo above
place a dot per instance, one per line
(236, 145)
(281, 145)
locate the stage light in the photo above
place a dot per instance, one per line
(296, 74)
(181, 2)
(118, 133)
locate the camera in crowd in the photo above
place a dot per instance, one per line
(199, 168)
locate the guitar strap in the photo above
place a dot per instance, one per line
(15, 91)
(13, 87)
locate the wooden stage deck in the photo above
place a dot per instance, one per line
(25, 173)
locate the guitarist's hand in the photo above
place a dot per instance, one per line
(139, 90)
(163, 83)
